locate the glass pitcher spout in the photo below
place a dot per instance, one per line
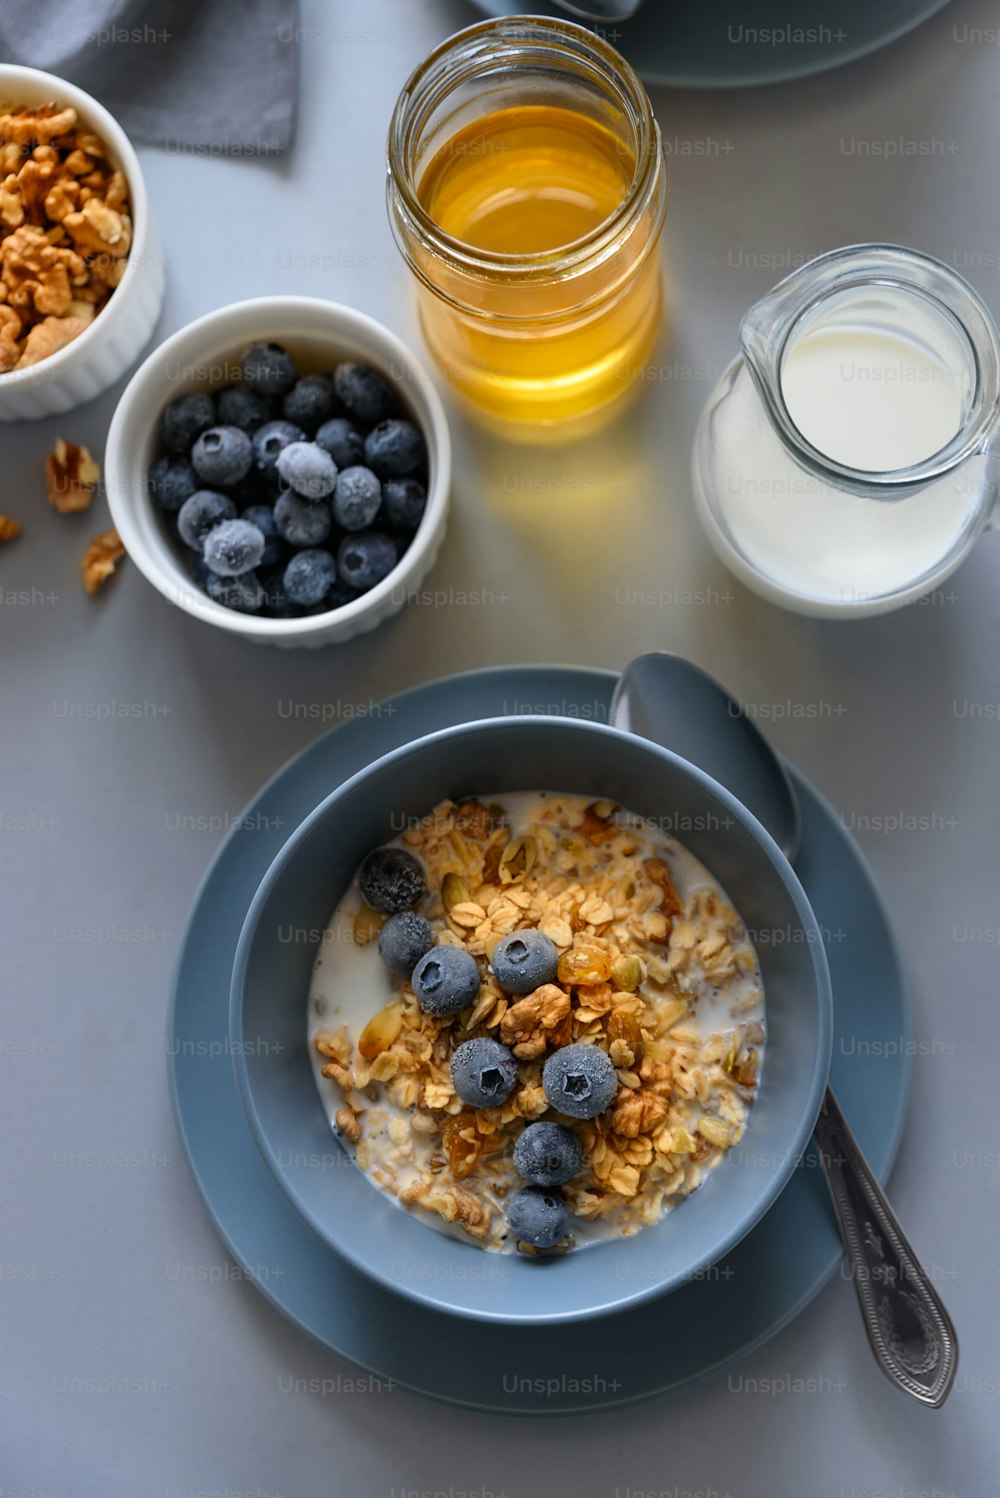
(906, 294)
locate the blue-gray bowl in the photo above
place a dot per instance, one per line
(273, 1067)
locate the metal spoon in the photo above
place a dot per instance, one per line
(600, 11)
(667, 699)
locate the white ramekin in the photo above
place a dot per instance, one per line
(203, 355)
(120, 331)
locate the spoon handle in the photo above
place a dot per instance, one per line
(910, 1331)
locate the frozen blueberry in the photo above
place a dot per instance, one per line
(310, 402)
(403, 940)
(184, 420)
(356, 499)
(547, 1154)
(172, 480)
(363, 392)
(239, 406)
(268, 368)
(484, 1072)
(270, 441)
(309, 576)
(446, 981)
(201, 513)
(340, 594)
(262, 516)
(394, 448)
(363, 560)
(234, 547)
(243, 593)
(308, 469)
(300, 522)
(342, 441)
(579, 1080)
(277, 604)
(524, 960)
(222, 456)
(392, 879)
(537, 1216)
(403, 503)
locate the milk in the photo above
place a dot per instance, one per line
(872, 400)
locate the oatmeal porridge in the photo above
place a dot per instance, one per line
(536, 1020)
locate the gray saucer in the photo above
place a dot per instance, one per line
(701, 1328)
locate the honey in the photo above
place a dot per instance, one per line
(531, 222)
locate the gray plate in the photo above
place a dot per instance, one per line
(701, 1328)
(720, 46)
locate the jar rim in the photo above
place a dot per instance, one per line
(489, 41)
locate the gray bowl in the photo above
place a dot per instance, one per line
(273, 1069)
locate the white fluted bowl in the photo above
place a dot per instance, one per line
(203, 355)
(101, 354)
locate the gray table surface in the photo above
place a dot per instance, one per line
(606, 561)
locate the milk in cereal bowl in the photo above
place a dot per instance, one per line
(483, 1015)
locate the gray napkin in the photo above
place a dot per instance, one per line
(207, 76)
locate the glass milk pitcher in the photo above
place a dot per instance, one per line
(842, 465)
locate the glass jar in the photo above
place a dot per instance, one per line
(513, 133)
(842, 465)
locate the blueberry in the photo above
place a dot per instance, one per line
(403, 940)
(363, 560)
(310, 402)
(547, 1154)
(484, 1072)
(392, 879)
(172, 480)
(395, 448)
(308, 469)
(277, 603)
(342, 441)
(309, 576)
(537, 1216)
(403, 503)
(239, 406)
(579, 1080)
(202, 513)
(363, 392)
(340, 594)
(524, 960)
(357, 498)
(234, 547)
(262, 516)
(222, 455)
(184, 420)
(300, 522)
(446, 981)
(270, 440)
(244, 593)
(268, 368)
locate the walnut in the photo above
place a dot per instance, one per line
(637, 1113)
(526, 1025)
(98, 229)
(49, 336)
(452, 1203)
(9, 529)
(71, 477)
(11, 202)
(39, 124)
(100, 559)
(10, 334)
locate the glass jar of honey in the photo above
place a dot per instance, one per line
(527, 191)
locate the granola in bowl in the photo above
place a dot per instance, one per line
(608, 988)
